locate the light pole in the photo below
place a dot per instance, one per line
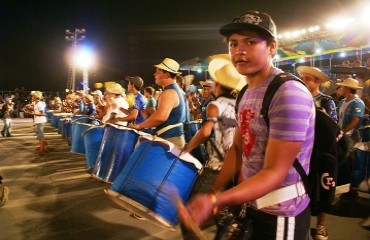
(74, 37)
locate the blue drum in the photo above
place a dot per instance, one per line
(55, 120)
(154, 176)
(116, 147)
(92, 139)
(78, 128)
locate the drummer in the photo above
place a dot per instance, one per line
(220, 113)
(115, 101)
(169, 117)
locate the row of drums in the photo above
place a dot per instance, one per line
(147, 174)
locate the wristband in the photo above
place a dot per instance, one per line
(214, 203)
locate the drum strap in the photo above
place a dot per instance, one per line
(166, 128)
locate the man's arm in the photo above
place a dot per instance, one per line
(205, 131)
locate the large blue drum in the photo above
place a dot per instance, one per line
(116, 147)
(92, 139)
(77, 129)
(154, 176)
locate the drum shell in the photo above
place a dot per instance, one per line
(77, 144)
(116, 147)
(151, 174)
(92, 139)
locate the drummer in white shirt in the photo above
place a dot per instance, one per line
(115, 101)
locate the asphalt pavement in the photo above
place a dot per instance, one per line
(53, 197)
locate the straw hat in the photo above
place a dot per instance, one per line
(206, 83)
(223, 72)
(351, 83)
(169, 65)
(314, 72)
(115, 88)
(37, 94)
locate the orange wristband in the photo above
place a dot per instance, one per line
(214, 203)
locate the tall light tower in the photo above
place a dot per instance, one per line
(74, 37)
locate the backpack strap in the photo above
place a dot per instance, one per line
(239, 97)
(271, 90)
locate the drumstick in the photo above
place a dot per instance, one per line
(186, 219)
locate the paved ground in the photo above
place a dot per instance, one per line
(52, 197)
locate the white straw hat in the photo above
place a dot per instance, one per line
(169, 65)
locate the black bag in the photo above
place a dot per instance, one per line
(329, 147)
(234, 225)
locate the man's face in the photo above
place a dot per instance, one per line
(206, 93)
(249, 52)
(159, 75)
(130, 86)
(311, 81)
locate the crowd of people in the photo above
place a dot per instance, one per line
(260, 156)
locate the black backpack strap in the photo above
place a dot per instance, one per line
(271, 90)
(239, 97)
(298, 167)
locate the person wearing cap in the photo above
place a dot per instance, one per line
(115, 101)
(135, 113)
(169, 117)
(351, 112)
(39, 120)
(261, 157)
(99, 103)
(198, 109)
(6, 111)
(313, 78)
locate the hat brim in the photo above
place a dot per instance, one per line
(345, 85)
(223, 72)
(163, 67)
(231, 28)
(309, 70)
(206, 83)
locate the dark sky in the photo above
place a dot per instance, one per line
(128, 36)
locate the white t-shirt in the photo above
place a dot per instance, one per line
(119, 102)
(38, 108)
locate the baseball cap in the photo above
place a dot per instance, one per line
(137, 81)
(251, 20)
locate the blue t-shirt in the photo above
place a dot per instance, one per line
(139, 104)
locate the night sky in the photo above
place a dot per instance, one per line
(128, 36)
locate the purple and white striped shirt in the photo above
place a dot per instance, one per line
(292, 118)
